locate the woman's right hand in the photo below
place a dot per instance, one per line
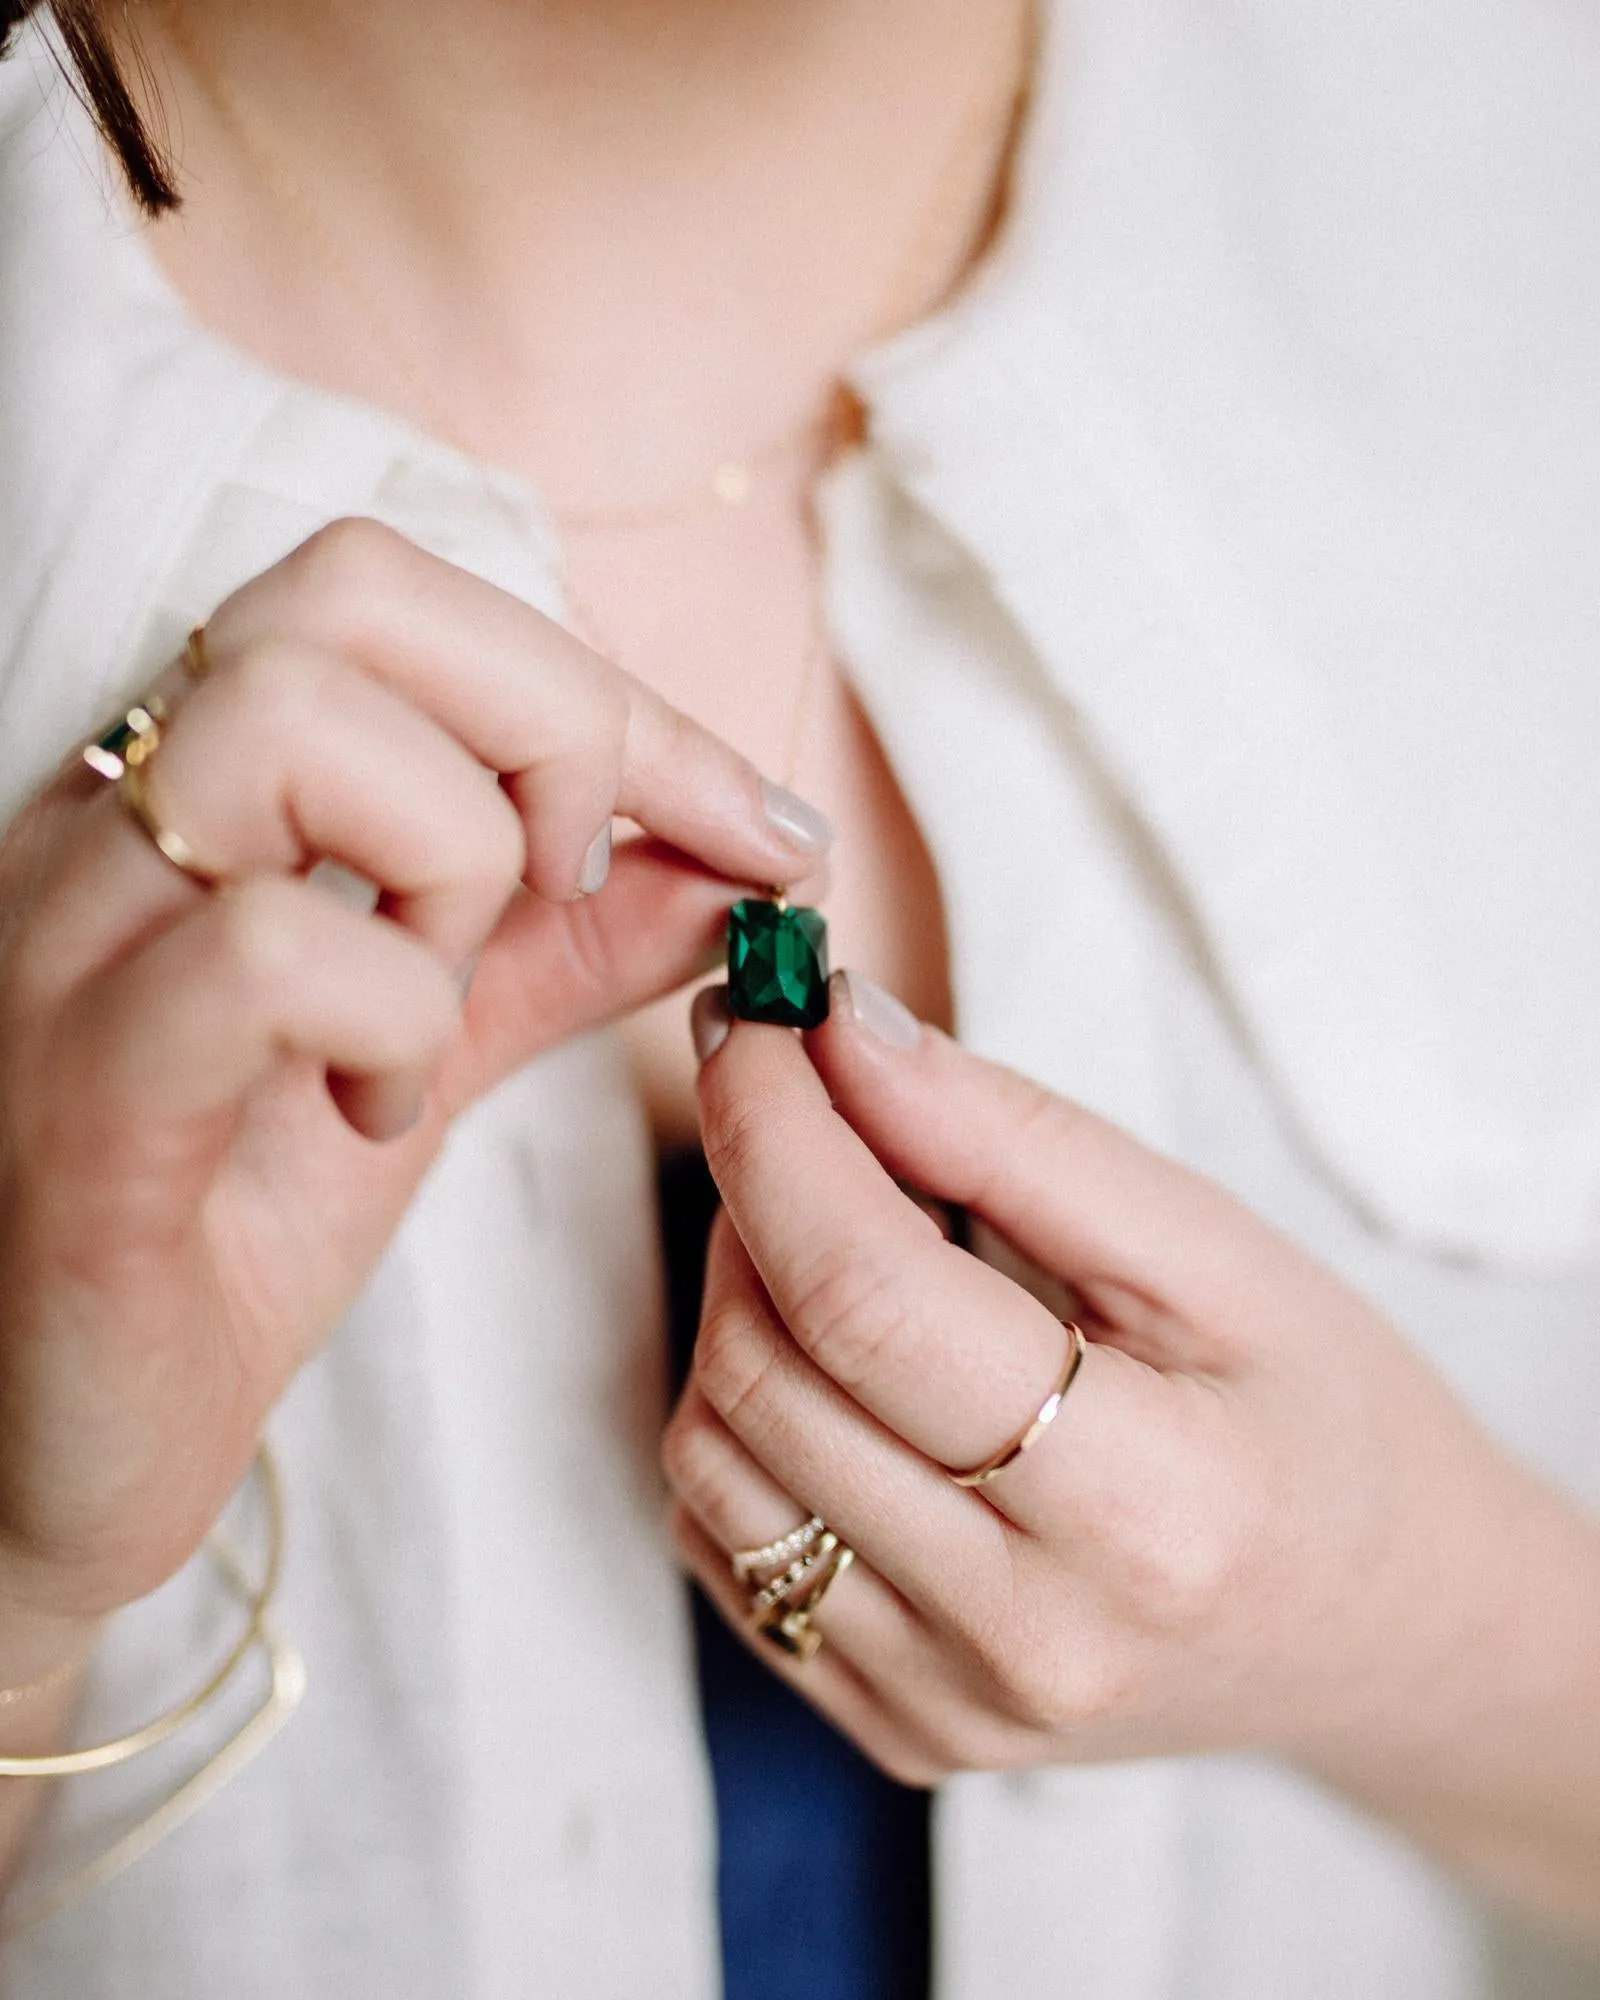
(214, 1107)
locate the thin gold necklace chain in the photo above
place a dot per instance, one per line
(989, 130)
(583, 620)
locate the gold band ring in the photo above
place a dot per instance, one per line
(786, 1623)
(1026, 1439)
(196, 660)
(168, 841)
(122, 754)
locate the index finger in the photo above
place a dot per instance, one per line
(949, 1354)
(575, 738)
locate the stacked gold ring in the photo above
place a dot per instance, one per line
(773, 1555)
(802, 1567)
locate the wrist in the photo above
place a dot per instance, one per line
(37, 1657)
(42, 1647)
(1475, 1727)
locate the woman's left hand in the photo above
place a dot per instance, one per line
(1258, 1521)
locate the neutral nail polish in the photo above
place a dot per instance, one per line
(799, 825)
(880, 1013)
(709, 1021)
(596, 863)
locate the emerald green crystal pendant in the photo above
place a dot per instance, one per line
(777, 964)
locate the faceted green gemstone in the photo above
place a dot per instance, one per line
(130, 739)
(777, 964)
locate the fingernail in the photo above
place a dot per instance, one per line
(596, 863)
(709, 1021)
(800, 825)
(880, 1013)
(467, 974)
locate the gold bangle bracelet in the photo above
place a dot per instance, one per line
(286, 1688)
(101, 1756)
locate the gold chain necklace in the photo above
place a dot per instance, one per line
(777, 955)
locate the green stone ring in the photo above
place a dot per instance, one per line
(777, 964)
(130, 740)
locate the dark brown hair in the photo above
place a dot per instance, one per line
(97, 77)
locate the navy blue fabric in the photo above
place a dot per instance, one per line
(823, 1878)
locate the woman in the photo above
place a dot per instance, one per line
(1176, 660)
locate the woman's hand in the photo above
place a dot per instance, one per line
(186, 1204)
(1258, 1521)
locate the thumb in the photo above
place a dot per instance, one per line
(1080, 1199)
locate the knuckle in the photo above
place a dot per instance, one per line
(1040, 1690)
(1037, 1675)
(737, 1137)
(1185, 1557)
(341, 564)
(281, 689)
(1179, 1579)
(588, 716)
(1036, 1123)
(610, 712)
(1102, 1686)
(1027, 1683)
(678, 741)
(733, 1360)
(589, 948)
(851, 1315)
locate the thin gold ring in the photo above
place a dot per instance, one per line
(122, 755)
(168, 841)
(1027, 1438)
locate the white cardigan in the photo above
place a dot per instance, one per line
(1219, 578)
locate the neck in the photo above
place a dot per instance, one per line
(457, 113)
(529, 188)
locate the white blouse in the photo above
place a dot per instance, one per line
(1219, 577)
